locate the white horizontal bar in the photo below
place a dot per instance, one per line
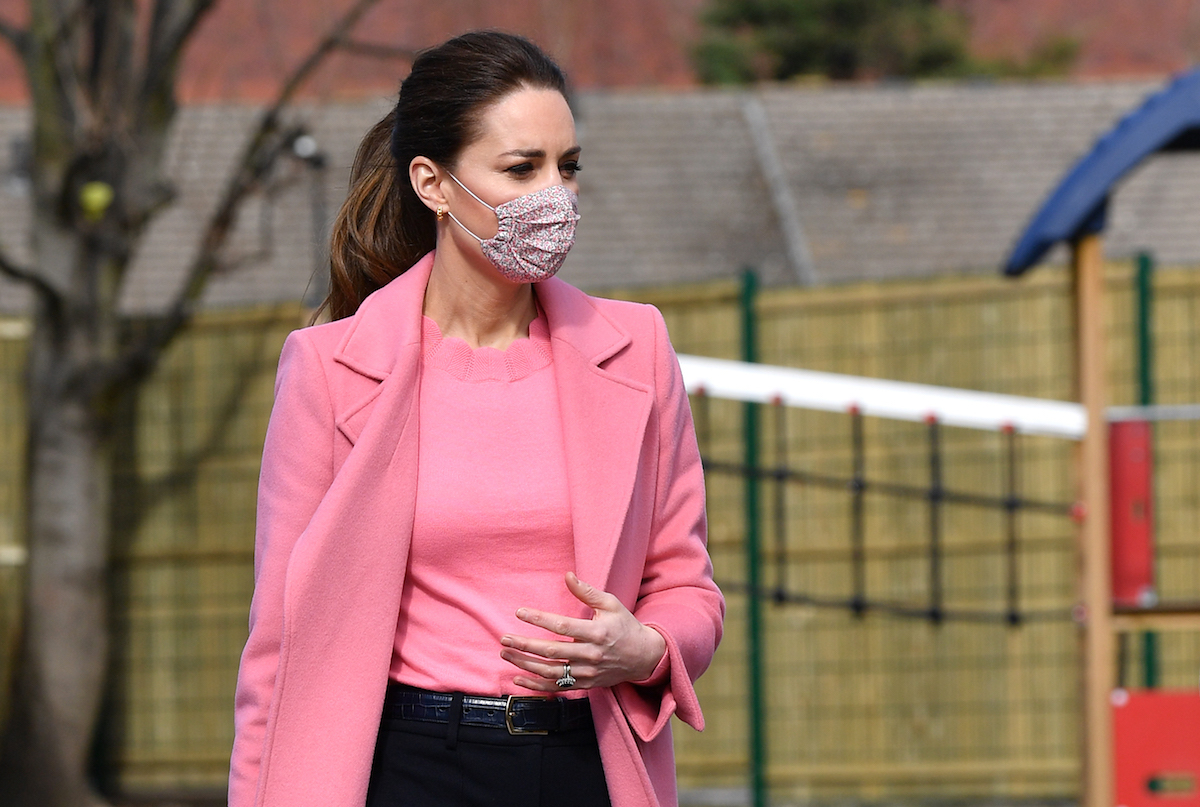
(15, 328)
(831, 392)
(11, 555)
(1154, 412)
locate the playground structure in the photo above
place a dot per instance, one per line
(1076, 212)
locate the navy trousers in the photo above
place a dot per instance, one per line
(419, 764)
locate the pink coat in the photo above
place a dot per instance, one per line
(335, 516)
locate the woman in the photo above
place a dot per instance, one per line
(465, 437)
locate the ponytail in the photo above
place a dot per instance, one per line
(379, 231)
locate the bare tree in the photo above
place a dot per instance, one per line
(102, 77)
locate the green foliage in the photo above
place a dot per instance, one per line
(777, 39)
(757, 40)
(1052, 57)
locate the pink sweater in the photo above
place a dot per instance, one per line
(492, 526)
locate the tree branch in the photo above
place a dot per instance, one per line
(335, 39)
(376, 50)
(171, 27)
(62, 48)
(265, 146)
(17, 37)
(27, 277)
(172, 23)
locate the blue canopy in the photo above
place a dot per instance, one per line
(1168, 121)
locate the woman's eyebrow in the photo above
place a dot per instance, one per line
(539, 153)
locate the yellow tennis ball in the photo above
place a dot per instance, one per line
(94, 198)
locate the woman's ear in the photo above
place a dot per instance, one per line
(426, 178)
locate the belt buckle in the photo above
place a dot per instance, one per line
(508, 716)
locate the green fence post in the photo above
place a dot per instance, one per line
(758, 751)
(1145, 379)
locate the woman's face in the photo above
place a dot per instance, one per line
(526, 143)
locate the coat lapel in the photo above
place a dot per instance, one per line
(604, 420)
(383, 339)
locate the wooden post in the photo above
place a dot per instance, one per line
(1099, 673)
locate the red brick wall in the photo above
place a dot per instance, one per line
(245, 46)
(1117, 37)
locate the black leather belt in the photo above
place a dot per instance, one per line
(517, 714)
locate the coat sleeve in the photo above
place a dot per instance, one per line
(297, 470)
(678, 597)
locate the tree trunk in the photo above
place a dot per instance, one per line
(101, 113)
(64, 647)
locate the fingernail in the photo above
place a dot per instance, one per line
(522, 613)
(506, 641)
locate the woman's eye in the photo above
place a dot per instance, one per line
(522, 169)
(570, 169)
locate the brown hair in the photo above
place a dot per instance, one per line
(383, 228)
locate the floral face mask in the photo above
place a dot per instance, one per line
(535, 232)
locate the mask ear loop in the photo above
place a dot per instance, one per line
(477, 199)
(468, 190)
(454, 218)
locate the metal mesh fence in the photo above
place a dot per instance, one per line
(876, 706)
(919, 634)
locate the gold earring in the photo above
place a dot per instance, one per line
(441, 212)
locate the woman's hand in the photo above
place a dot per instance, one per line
(610, 648)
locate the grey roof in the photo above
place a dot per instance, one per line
(273, 254)
(879, 181)
(888, 181)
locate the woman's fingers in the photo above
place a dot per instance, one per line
(581, 630)
(611, 647)
(538, 666)
(545, 673)
(540, 684)
(591, 596)
(546, 648)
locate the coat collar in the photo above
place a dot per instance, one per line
(574, 321)
(389, 320)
